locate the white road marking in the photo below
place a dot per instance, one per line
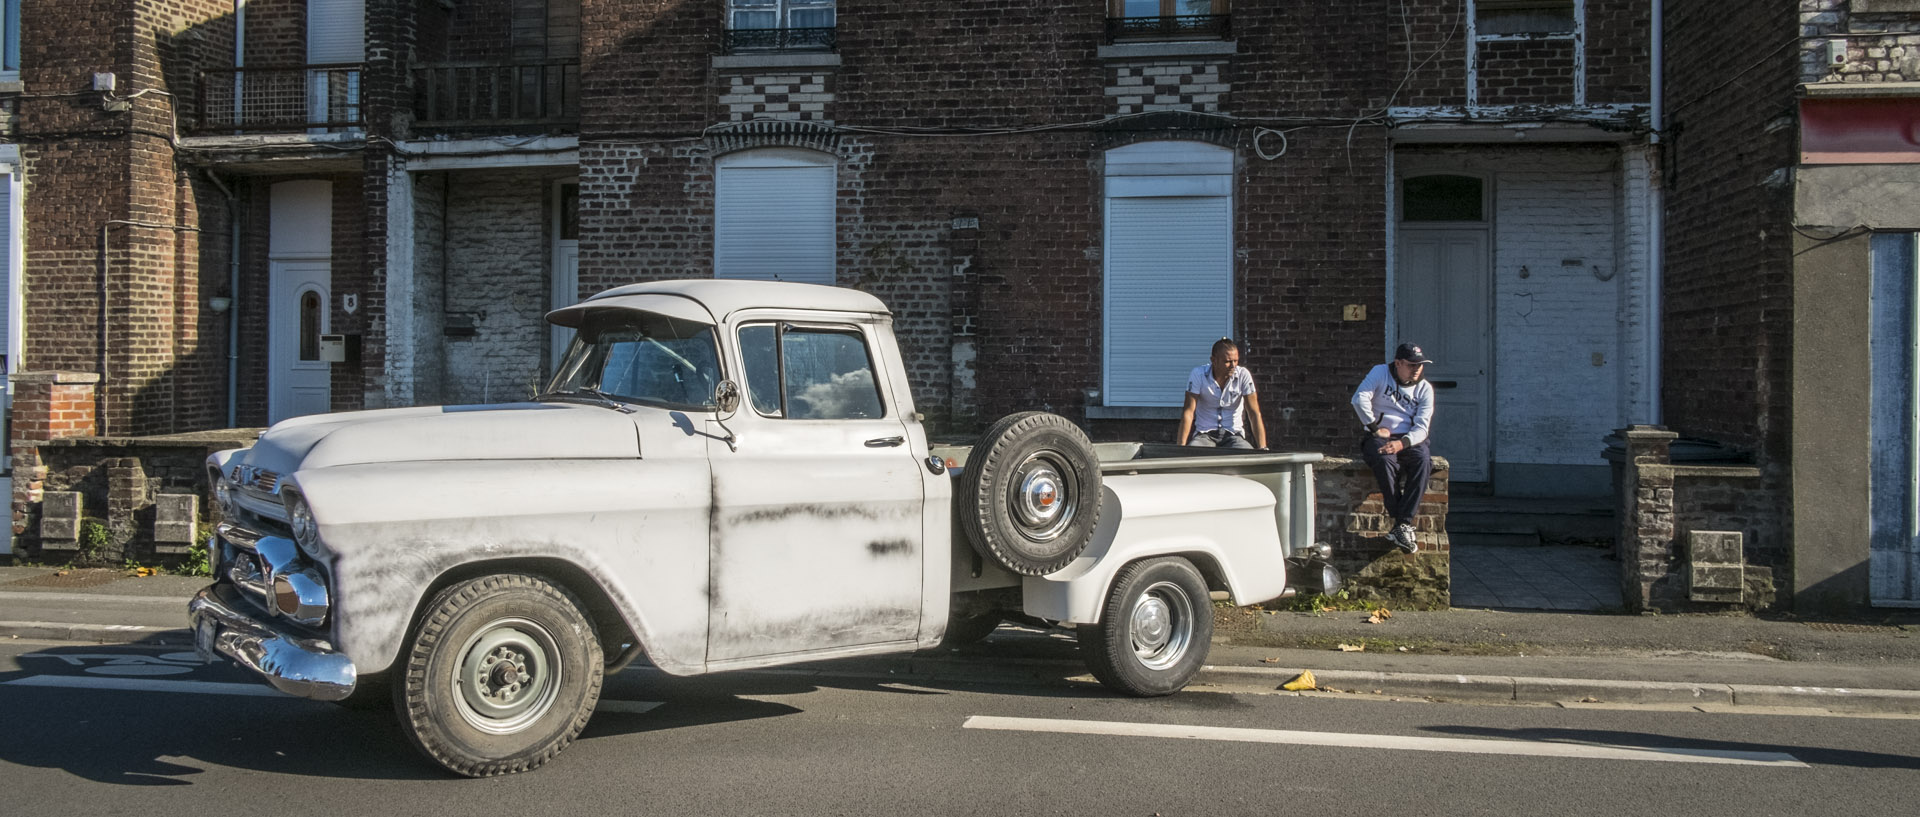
(1531, 748)
(250, 690)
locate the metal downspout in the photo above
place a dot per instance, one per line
(233, 298)
(1656, 233)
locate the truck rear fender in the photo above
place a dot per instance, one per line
(1223, 524)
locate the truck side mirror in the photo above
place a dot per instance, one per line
(727, 397)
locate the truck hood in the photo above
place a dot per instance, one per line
(510, 431)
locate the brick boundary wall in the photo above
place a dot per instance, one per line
(1659, 509)
(1352, 519)
(47, 406)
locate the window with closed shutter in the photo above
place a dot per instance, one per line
(774, 216)
(1169, 267)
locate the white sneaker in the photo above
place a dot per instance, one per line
(1402, 537)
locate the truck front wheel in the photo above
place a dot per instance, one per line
(1154, 631)
(502, 674)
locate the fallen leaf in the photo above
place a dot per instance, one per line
(1384, 613)
(1589, 700)
(1374, 619)
(61, 572)
(1269, 660)
(1351, 647)
(1303, 681)
(1403, 649)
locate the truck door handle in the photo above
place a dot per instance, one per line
(1446, 384)
(885, 442)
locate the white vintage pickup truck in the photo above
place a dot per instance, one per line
(722, 475)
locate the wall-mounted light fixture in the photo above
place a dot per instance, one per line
(219, 304)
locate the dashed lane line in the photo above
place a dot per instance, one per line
(1529, 748)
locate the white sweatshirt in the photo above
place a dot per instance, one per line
(1403, 411)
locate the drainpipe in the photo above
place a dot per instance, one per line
(233, 299)
(106, 270)
(1656, 233)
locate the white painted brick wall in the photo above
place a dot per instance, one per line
(1168, 85)
(498, 251)
(1553, 208)
(429, 368)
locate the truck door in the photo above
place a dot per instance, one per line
(817, 539)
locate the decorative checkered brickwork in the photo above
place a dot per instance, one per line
(797, 97)
(1168, 86)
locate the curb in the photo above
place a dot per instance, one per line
(1481, 688)
(1523, 689)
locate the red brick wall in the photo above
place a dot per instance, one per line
(276, 33)
(1526, 72)
(1728, 307)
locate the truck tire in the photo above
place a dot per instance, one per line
(1030, 495)
(1154, 631)
(502, 674)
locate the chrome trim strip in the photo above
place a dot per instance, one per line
(306, 667)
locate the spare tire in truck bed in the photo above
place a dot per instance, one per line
(1030, 496)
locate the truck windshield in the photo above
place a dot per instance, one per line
(640, 357)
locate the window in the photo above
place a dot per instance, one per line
(641, 357)
(780, 24)
(1497, 18)
(1443, 198)
(774, 215)
(10, 37)
(1167, 19)
(1169, 267)
(309, 325)
(809, 373)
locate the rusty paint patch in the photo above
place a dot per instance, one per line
(890, 547)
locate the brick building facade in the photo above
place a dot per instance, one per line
(1790, 269)
(1063, 204)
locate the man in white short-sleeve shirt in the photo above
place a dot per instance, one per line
(1220, 397)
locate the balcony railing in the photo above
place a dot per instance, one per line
(1187, 27)
(287, 98)
(779, 39)
(491, 94)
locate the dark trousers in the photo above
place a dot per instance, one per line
(1402, 477)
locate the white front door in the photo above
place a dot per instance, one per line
(298, 380)
(1441, 303)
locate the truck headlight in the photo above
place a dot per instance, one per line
(306, 532)
(223, 498)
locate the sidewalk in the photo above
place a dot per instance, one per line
(1709, 661)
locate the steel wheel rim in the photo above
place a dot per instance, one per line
(507, 677)
(1041, 499)
(1160, 625)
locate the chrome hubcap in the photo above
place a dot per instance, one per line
(1161, 625)
(1041, 499)
(508, 676)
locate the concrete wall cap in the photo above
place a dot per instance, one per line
(56, 377)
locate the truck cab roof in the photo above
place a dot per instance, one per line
(720, 298)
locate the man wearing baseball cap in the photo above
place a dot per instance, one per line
(1396, 405)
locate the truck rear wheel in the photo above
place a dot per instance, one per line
(1030, 494)
(1154, 631)
(502, 674)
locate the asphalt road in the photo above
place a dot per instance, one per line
(128, 730)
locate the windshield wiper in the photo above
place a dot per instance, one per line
(589, 394)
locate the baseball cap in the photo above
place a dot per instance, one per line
(1411, 353)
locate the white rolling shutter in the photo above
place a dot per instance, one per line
(774, 217)
(7, 228)
(1169, 268)
(336, 31)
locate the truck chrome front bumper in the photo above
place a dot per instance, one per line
(294, 664)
